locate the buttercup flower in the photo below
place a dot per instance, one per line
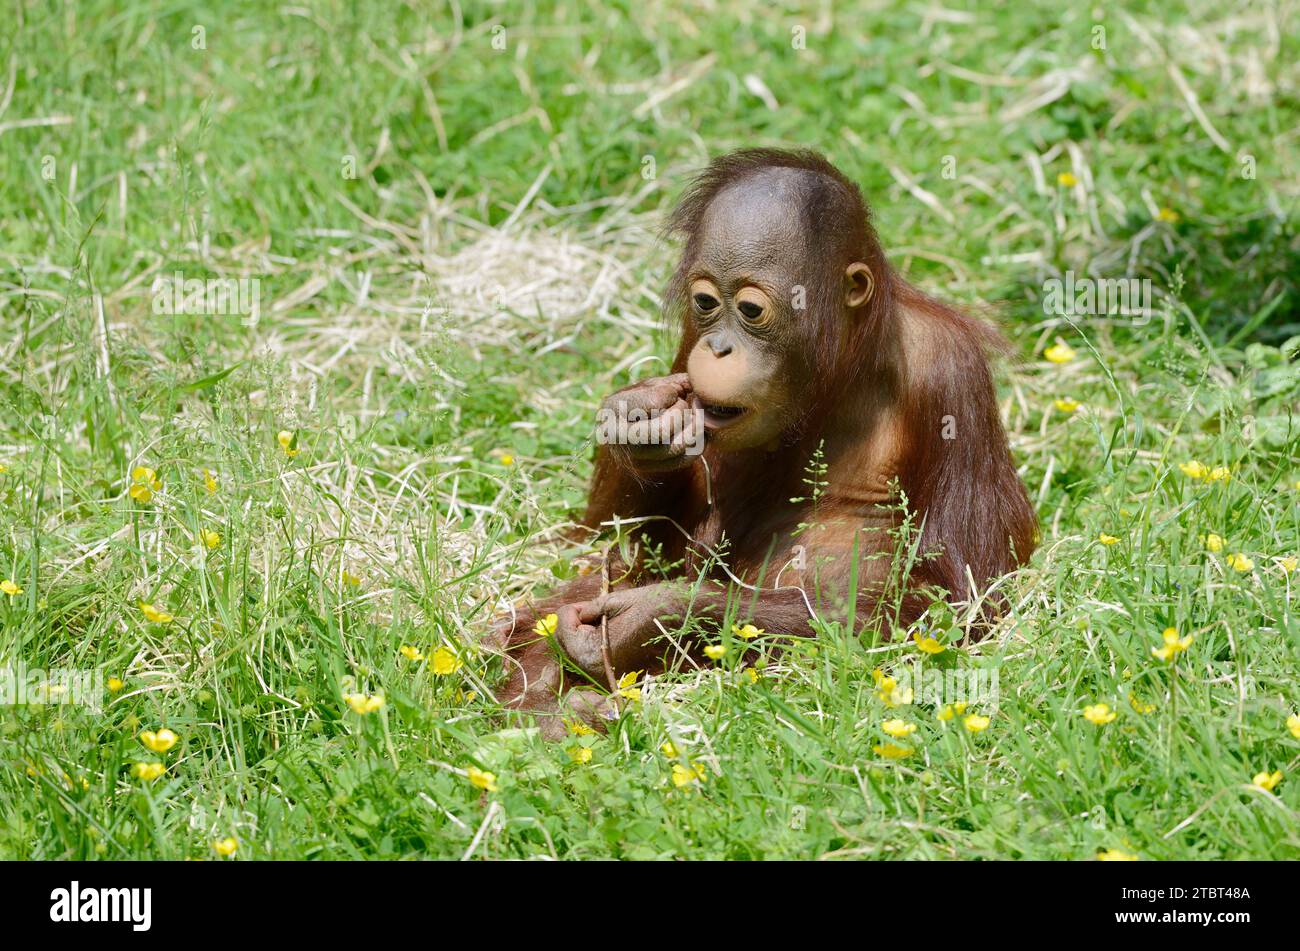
(144, 483)
(1115, 855)
(686, 777)
(1167, 214)
(209, 482)
(288, 442)
(578, 728)
(482, 778)
(545, 627)
(1067, 179)
(147, 771)
(1194, 470)
(976, 723)
(225, 847)
(362, 704)
(1099, 713)
(411, 653)
(668, 748)
(445, 662)
(9, 588)
(1240, 563)
(1214, 542)
(1059, 353)
(949, 711)
(747, 631)
(160, 741)
(892, 750)
(1172, 644)
(1288, 564)
(115, 685)
(154, 614)
(1107, 539)
(351, 580)
(627, 685)
(507, 459)
(1065, 404)
(715, 651)
(1219, 474)
(210, 538)
(1268, 781)
(1293, 724)
(927, 644)
(897, 728)
(580, 754)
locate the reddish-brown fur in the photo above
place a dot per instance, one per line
(885, 383)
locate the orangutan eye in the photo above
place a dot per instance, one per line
(754, 305)
(704, 294)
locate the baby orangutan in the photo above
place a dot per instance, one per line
(797, 337)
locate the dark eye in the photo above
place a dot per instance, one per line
(751, 310)
(706, 302)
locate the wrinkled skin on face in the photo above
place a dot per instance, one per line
(751, 368)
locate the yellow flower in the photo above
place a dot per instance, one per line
(946, 713)
(1219, 474)
(627, 685)
(1140, 705)
(1059, 353)
(1099, 713)
(1065, 404)
(1194, 470)
(411, 653)
(362, 704)
(898, 728)
(546, 626)
(1289, 563)
(747, 631)
(351, 580)
(147, 771)
(927, 644)
(1239, 562)
(1268, 781)
(892, 750)
(445, 662)
(288, 442)
(580, 754)
(210, 538)
(159, 742)
(1067, 180)
(578, 728)
(154, 614)
(144, 483)
(209, 482)
(1107, 539)
(1167, 214)
(668, 748)
(225, 847)
(715, 651)
(1173, 645)
(750, 674)
(1214, 542)
(1115, 855)
(507, 459)
(976, 723)
(1293, 724)
(888, 690)
(482, 778)
(9, 588)
(115, 685)
(682, 776)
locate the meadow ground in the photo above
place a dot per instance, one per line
(451, 212)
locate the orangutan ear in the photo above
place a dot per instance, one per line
(859, 285)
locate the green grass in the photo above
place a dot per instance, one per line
(417, 327)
